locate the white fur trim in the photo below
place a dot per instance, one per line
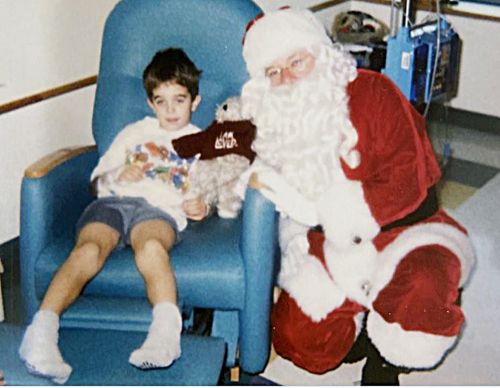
(310, 286)
(414, 349)
(278, 34)
(362, 272)
(359, 321)
(421, 235)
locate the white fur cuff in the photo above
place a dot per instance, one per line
(312, 288)
(413, 349)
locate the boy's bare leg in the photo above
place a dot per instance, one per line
(39, 347)
(151, 241)
(94, 244)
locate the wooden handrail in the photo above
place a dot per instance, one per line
(45, 95)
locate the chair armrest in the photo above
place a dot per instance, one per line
(259, 248)
(54, 192)
(54, 185)
(49, 162)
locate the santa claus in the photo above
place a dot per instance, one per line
(347, 161)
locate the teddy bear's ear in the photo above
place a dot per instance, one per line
(229, 110)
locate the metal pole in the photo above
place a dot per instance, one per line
(408, 13)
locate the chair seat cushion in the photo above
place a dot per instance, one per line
(208, 269)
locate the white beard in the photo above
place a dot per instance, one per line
(303, 129)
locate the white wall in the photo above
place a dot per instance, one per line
(479, 82)
(44, 43)
(47, 43)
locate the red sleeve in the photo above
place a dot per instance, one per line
(398, 164)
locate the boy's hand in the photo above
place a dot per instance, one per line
(195, 209)
(131, 173)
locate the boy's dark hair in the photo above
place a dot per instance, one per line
(171, 65)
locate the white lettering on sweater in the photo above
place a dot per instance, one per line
(226, 140)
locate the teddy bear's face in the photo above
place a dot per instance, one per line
(229, 110)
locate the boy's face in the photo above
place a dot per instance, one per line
(173, 105)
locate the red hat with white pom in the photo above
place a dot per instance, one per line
(280, 33)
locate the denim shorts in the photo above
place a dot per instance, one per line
(122, 214)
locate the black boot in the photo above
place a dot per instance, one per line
(359, 348)
(201, 324)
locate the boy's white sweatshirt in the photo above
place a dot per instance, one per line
(149, 146)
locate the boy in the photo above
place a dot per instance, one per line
(140, 185)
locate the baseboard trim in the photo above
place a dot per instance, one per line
(464, 118)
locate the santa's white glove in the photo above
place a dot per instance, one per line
(307, 281)
(241, 185)
(345, 215)
(287, 199)
(294, 256)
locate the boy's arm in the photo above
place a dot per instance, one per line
(111, 164)
(114, 157)
(103, 183)
(93, 186)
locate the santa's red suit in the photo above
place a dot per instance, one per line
(343, 148)
(406, 279)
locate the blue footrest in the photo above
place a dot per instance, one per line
(100, 357)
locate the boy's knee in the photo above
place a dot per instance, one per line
(88, 257)
(148, 253)
(151, 246)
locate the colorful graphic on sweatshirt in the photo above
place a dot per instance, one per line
(157, 162)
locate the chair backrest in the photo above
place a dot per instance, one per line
(209, 31)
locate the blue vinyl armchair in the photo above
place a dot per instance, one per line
(221, 264)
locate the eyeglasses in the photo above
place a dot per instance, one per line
(298, 65)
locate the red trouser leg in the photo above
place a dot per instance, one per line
(315, 346)
(415, 319)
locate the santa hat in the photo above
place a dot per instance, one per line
(280, 33)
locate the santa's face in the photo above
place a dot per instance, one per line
(291, 68)
(303, 127)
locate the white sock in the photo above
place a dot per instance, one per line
(163, 342)
(39, 348)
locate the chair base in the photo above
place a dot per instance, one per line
(100, 357)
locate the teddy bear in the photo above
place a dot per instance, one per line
(224, 152)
